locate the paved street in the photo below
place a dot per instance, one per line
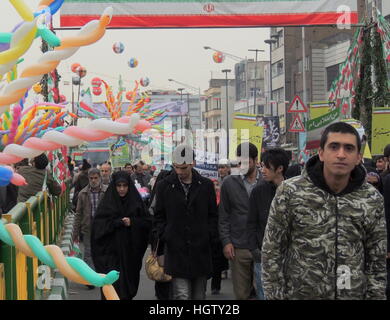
(146, 290)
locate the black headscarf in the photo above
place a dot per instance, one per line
(115, 246)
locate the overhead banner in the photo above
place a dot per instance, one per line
(380, 129)
(227, 13)
(316, 126)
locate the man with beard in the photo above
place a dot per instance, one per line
(233, 215)
(88, 201)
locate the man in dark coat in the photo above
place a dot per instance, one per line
(274, 166)
(119, 234)
(186, 220)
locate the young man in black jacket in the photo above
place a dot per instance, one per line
(274, 165)
(186, 222)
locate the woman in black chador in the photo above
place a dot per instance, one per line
(120, 232)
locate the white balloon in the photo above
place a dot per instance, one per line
(134, 119)
(110, 126)
(61, 138)
(20, 151)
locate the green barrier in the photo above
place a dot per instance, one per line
(41, 216)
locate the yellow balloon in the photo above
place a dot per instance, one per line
(17, 51)
(23, 10)
(37, 88)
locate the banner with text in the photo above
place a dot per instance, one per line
(316, 126)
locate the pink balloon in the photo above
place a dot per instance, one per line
(87, 134)
(9, 158)
(142, 125)
(39, 144)
(18, 180)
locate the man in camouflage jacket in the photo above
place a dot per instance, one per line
(326, 237)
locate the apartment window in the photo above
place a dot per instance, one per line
(278, 95)
(277, 68)
(279, 40)
(332, 73)
(258, 92)
(216, 144)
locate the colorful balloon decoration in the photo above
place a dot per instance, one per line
(74, 67)
(72, 268)
(118, 47)
(88, 34)
(144, 81)
(81, 71)
(133, 63)
(37, 88)
(62, 98)
(218, 57)
(96, 82)
(97, 91)
(129, 95)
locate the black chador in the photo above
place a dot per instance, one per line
(116, 246)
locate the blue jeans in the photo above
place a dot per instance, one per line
(258, 280)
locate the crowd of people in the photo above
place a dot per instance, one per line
(317, 231)
(283, 231)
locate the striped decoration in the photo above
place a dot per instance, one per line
(201, 13)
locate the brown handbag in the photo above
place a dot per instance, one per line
(153, 269)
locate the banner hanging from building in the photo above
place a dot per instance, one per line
(380, 130)
(316, 126)
(227, 13)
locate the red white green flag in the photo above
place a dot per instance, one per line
(203, 13)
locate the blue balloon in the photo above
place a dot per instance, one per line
(5, 176)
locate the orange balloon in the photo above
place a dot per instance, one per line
(74, 67)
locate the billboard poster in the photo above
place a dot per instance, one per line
(380, 130)
(254, 126)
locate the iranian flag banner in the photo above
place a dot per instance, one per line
(201, 13)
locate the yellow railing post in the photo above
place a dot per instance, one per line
(2, 282)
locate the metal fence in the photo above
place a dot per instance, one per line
(43, 217)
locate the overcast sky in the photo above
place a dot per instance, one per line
(162, 53)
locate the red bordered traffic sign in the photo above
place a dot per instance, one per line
(297, 125)
(297, 105)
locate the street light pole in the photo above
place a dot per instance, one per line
(254, 94)
(194, 89)
(226, 71)
(270, 42)
(181, 99)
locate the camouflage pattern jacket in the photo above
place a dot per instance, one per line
(319, 245)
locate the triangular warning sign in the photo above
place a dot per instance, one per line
(297, 105)
(297, 125)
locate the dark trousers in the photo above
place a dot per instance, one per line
(216, 281)
(388, 279)
(163, 290)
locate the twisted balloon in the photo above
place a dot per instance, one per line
(73, 268)
(98, 129)
(88, 34)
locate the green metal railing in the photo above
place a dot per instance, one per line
(42, 216)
